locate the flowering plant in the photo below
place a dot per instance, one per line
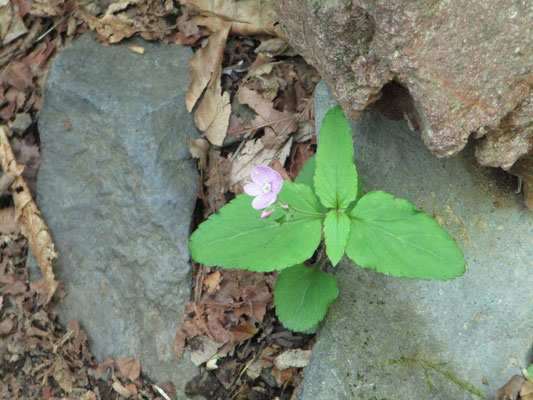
(296, 226)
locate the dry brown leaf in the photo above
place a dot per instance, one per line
(204, 64)
(179, 343)
(256, 152)
(266, 111)
(128, 368)
(212, 115)
(212, 282)
(526, 393)
(217, 180)
(199, 149)
(6, 325)
(117, 387)
(63, 375)
(137, 49)
(292, 358)
(11, 24)
(30, 218)
(510, 390)
(248, 17)
(202, 349)
(8, 223)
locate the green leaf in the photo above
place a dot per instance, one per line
(336, 231)
(238, 238)
(389, 235)
(529, 373)
(302, 296)
(299, 197)
(336, 181)
(307, 173)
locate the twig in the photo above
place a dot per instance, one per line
(241, 145)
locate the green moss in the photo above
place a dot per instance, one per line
(439, 368)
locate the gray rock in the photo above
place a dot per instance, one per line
(117, 188)
(390, 338)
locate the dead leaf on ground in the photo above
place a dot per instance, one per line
(204, 65)
(199, 149)
(217, 181)
(262, 151)
(248, 17)
(128, 368)
(8, 223)
(212, 115)
(120, 389)
(212, 282)
(268, 115)
(292, 358)
(202, 349)
(30, 218)
(511, 389)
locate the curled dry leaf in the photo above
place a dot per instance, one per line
(264, 151)
(30, 218)
(137, 49)
(281, 122)
(212, 115)
(199, 149)
(120, 389)
(204, 64)
(212, 282)
(248, 17)
(128, 368)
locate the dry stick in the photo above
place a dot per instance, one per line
(6, 180)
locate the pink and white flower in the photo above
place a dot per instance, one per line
(265, 186)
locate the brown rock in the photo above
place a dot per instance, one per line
(468, 66)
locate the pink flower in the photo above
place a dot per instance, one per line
(265, 186)
(267, 213)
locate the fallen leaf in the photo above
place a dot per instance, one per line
(128, 368)
(255, 152)
(248, 17)
(199, 149)
(212, 281)
(11, 24)
(117, 387)
(282, 376)
(511, 389)
(281, 122)
(212, 115)
(30, 218)
(63, 375)
(217, 181)
(8, 223)
(6, 325)
(204, 64)
(137, 49)
(202, 349)
(292, 358)
(526, 392)
(272, 46)
(179, 343)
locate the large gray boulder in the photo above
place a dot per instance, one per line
(399, 339)
(117, 188)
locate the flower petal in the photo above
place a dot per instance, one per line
(276, 185)
(262, 174)
(252, 189)
(264, 200)
(267, 213)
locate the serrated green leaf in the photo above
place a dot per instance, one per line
(299, 197)
(336, 231)
(335, 180)
(389, 235)
(238, 238)
(302, 296)
(307, 173)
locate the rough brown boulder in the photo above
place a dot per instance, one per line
(467, 66)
